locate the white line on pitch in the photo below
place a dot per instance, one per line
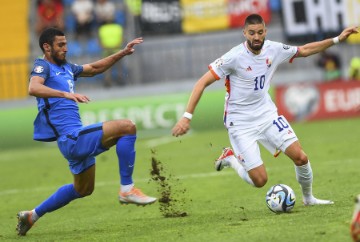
(164, 140)
(101, 184)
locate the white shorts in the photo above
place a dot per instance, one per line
(275, 135)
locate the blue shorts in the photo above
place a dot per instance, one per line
(81, 146)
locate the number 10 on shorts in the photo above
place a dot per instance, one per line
(281, 123)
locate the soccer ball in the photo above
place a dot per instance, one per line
(280, 198)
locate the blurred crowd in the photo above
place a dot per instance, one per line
(330, 63)
(94, 27)
(82, 19)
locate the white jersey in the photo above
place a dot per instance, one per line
(247, 80)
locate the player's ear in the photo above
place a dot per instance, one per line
(47, 47)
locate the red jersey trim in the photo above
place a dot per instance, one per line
(213, 73)
(296, 55)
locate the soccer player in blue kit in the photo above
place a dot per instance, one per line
(52, 82)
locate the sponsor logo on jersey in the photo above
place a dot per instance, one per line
(38, 69)
(249, 68)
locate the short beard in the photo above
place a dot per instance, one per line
(57, 60)
(255, 48)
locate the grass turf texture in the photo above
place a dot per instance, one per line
(219, 205)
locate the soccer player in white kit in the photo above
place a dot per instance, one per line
(250, 115)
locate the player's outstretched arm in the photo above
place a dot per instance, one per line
(316, 47)
(183, 125)
(102, 65)
(38, 89)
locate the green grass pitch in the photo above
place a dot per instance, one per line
(219, 205)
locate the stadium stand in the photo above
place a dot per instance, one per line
(14, 50)
(184, 56)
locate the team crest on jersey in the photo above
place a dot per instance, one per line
(219, 62)
(38, 69)
(286, 47)
(268, 62)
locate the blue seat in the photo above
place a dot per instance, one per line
(74, 48)
(120, 17)
(70, 23)
(93, 47)
(67, 3)
(275, 5)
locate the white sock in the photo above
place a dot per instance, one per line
(304, 176)
(34, 216)
(126, 188)
(234, 163)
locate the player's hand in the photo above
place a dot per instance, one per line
(347, 32)
(181, 128)
(129, 49)
(76, 97)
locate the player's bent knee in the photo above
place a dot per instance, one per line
(85, 190)
(259, 181)
(127, 126)
(301, 160)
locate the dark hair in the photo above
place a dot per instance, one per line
(253, 19)
(48, 36)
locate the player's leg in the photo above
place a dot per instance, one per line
(303, 168)
(60, 198)
(355, 221)
(228, 159)
(245, 159)
(281, 135)
(252, 164)
(304, 174)
(84, 182)
(83, 186)
(122, 133)
(76, 147)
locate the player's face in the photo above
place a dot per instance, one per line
(58, 50)
(255, 36)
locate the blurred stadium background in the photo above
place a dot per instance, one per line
(152, 87)
(181, 38)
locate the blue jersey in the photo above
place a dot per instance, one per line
(56, 116)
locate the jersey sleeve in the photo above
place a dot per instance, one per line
(223, 66)
(285, 52)
(41, 69)
(76, 69)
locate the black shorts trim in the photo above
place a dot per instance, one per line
(85, 131)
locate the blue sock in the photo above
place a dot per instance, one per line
(125, 150)
(60, 198)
